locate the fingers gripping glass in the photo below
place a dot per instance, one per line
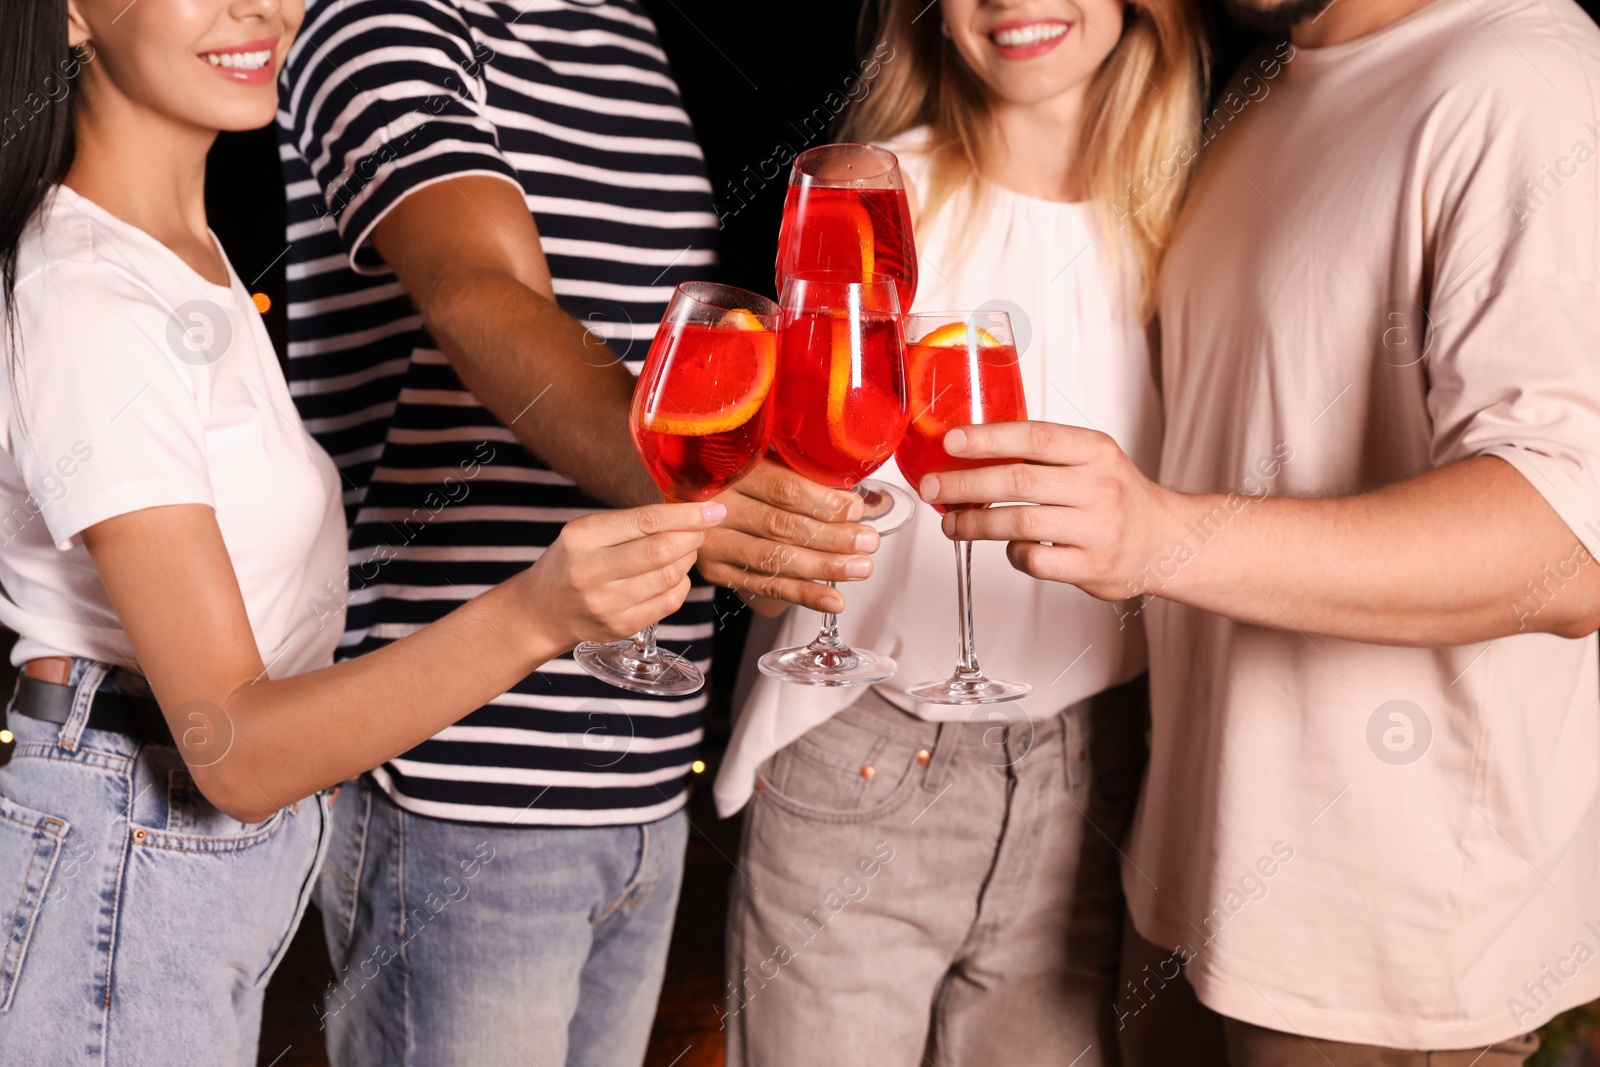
(963, 370)
(846, 211)
(699, 422)
(839, 410)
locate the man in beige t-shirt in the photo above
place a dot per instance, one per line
(1372, 814)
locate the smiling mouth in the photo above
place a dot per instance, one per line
(239, 60)
(1031, 34)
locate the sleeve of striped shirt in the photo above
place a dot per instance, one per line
(383, 97)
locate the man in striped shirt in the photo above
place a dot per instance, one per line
(490, 204)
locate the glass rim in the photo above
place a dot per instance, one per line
(955, 314)
(890, 162)
(998, 318)
(842, 282)
(699, 292)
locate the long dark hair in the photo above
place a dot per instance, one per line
(37, 68)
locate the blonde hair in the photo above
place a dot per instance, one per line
(1134, 145)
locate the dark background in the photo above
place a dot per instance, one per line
(750, 73)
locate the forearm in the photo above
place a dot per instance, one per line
(1462, 554)
(286, 739)
(560, 390)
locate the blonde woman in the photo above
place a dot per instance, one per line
(919, 883)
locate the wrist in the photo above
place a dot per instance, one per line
(1182, 541)
(520, 618)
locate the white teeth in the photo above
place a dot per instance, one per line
(1032, 33)
(240, 60)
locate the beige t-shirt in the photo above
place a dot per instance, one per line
(1396, 846)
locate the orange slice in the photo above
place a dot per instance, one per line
(720, 377)
(854, 432)
(839, 372)
(958, 333)
(739, 319)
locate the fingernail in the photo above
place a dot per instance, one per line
(948, 525)
(929, 487)
(714, 510)
(857, 568)
(857, 507)
(955, 441)
(867, 541)
(833, 603)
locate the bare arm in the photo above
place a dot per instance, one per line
(468, 253)
(1443, 558)
(172, 584)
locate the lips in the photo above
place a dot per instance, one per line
(1026, 39)
(246, 63)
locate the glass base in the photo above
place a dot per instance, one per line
(662, 673)
(962, 688)
(888, 507)
(827, 665)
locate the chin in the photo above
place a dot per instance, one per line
(233, 116)
(1032, 89)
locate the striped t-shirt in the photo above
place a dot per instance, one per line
(575, 103)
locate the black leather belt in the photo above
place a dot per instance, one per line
(137, 717)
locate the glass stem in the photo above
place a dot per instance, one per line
(967, 660)
(644, 646)
(828, 633)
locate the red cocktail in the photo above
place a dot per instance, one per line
(846, 211)
(839, 410)
(700, 422)
(700, 419)
(957, 379)
(843, 228)
(840, 399)
(962, 373)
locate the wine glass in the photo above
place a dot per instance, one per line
(963, 371)
(838, 411)
(699, 421)
(846, 210)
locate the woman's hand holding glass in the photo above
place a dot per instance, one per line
(613, 573)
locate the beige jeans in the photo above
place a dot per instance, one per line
(911, 893)
(1165, 1024)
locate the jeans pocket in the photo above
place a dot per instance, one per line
(182, 819)
(842, 771)
(194, 824)
(30, 845)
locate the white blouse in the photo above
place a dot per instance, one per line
(1084, 362)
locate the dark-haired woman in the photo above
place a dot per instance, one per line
(173, 560)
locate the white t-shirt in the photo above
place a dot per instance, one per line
(143, 385)
(1085, 362)
(1387, 264)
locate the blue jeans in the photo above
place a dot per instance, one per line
(482, 944)
(140, 923)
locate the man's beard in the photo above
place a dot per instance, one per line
(1274, 18)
